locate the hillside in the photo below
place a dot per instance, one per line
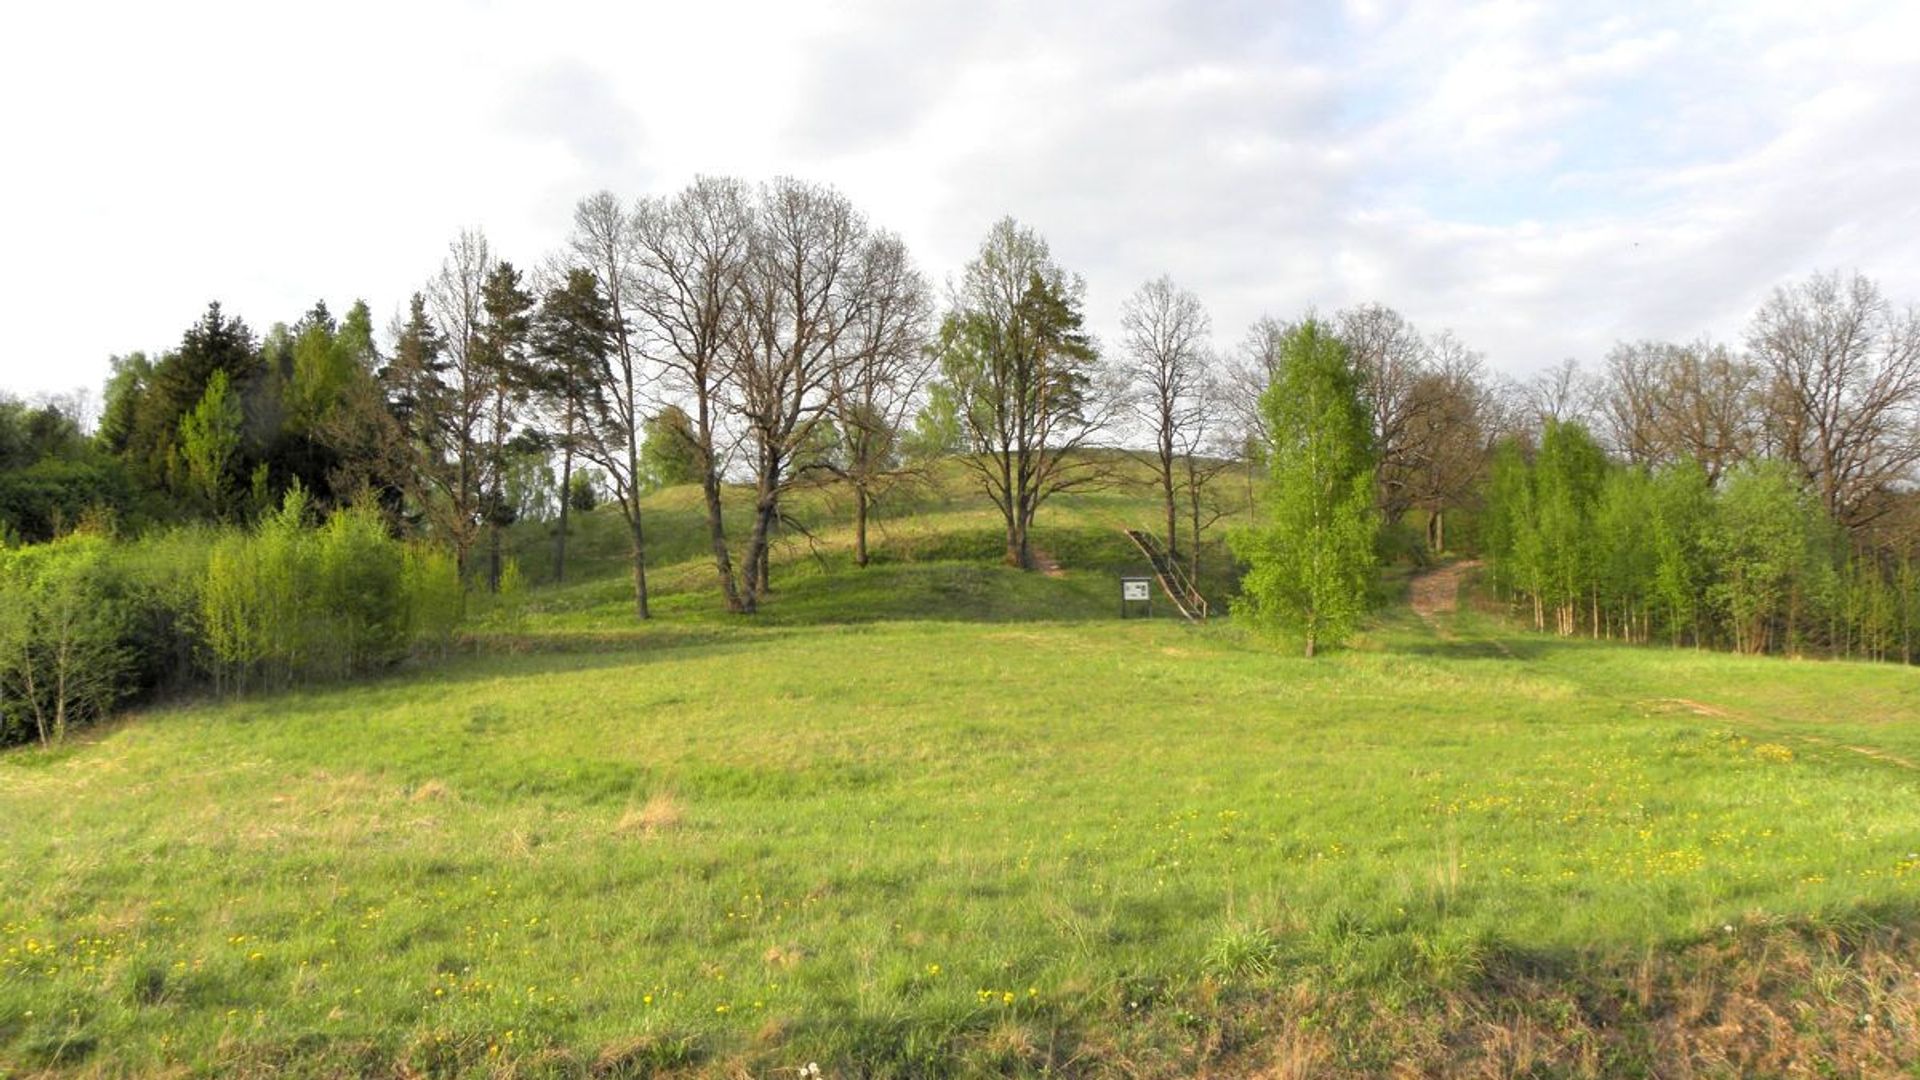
(936, 545)
(938, 817)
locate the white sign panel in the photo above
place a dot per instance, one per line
(1134, 589)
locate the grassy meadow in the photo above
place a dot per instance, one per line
(937, 817)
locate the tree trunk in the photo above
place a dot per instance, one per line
(560, 539)
(1020, 541)
(860, 525)
(1193, 556)
(756, 558)
(639, 563)
(1166, 490)
(717, 540)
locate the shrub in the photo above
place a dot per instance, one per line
(289, 603)
(362, 607)
(63, 637)
(436, 601)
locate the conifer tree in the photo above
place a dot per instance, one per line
(572, 337)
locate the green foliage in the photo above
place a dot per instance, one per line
(1626, 555)
(128, 379)
(40, 501)
(436, 601)
(1242, 952)
(582, 496)
(1681, 518)
(286, 603)
(510, 599)
(209, 441)
(64, 621)
(1754, 564)
(1770, 545)
(937, 428)
(1311, 566)
(1022, 369)
(361, 570)
(178, 383)
(670, 452)
(51, 476)
(1567, 476)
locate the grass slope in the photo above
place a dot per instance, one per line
(938, 817)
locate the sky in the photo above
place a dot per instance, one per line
(1545, 179)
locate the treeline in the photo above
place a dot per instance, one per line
(751, 339)
(1753, 563)
(1757, 500)
(88, 622)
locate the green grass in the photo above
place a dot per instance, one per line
(939, 817)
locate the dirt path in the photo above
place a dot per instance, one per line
(1437, 592)
(1047, 564)
(1765, 726)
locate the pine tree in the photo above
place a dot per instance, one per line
(572, 336)
(503, 355)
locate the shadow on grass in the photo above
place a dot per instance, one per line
(1523, 649)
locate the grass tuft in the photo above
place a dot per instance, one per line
(662, 813)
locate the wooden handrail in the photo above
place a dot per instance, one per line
(1173, 580)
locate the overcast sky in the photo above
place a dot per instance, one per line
(1543, 178)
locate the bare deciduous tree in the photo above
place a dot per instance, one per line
(1843, 400)
(1659, 402)
(465, 388)
(877, 390)
(1452, 419)
(1208, 445)
(1248, 374)
(1164, 333)
(1560, 394)
(606, 240)
(800, 295)
(693, 251)
(1391, 359)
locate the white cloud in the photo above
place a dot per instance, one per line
(1543, 178)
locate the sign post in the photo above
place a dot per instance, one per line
(1136, 590)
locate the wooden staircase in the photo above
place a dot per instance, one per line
(1173, 580)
